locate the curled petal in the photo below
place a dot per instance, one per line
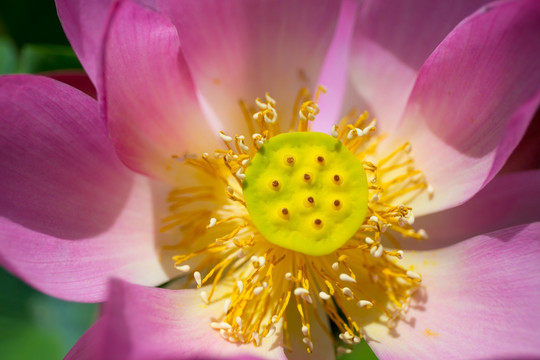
(473, 294)
(152, 323)
(473, 99)
(72, 214)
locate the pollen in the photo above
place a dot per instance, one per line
(288, 222)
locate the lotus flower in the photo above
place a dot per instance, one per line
(269, 208)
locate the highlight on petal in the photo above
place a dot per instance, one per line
(72, 215)
(392, 39)
(508, 200)
(334, 73)
(152, 323)
(238, 50)
(479, 299)
(150, 101)
(84, 22)
(473, 100)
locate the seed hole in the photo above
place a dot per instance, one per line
(307, 177)
(309, 202)
(317, 223)
(337, 179)
(289, 160)
(337, 204)
(275, 184)
(320, 159)
(285, 211)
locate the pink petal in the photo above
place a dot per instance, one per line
(508, 200)
(84, 23)
(473, 100)
(391, 42)
(150, 101)
(238, 50)
(334, 73)
(153, 323)
(72, 215)
(479, 300)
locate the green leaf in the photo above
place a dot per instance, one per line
(41, 58)
(8, 56)
(361, 351)
(22, 340)
(36, 326)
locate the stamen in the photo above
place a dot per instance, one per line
(305, 183)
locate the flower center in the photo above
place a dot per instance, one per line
(296, 224)
(306, 192)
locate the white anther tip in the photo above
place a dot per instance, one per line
(347, 292)
(300, 291)
(373, 218)
(225, 138)
(213, 222)
(197, 277)
(305, 330)
(413, 275)
(324, 295)
(364, 303)
(258, 290)
(345, 277)
(288, 276)
(183, 268)
(335, 266)
(226, 306)
(369, 240)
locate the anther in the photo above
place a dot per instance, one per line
(240, 286)
(337, 178)
(288, 276)
(258, 290)
(275, 184)
(324, 295)
(300, 291)
(317, 222)
(337, 203)
(307, 177)
(347, 292)
(343, 350)
(226, 306)
(364, 303)
(225, 137)
(320, 159)
(197, 276)
(345, 277)
(413, 275)
(213, 222)
(305, 330)
(183, 268)
(310, 200)
(285, 211)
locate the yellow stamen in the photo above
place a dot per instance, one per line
(257, 277)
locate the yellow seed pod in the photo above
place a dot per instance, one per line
(319, 184)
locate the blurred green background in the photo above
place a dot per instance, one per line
(34, 325)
